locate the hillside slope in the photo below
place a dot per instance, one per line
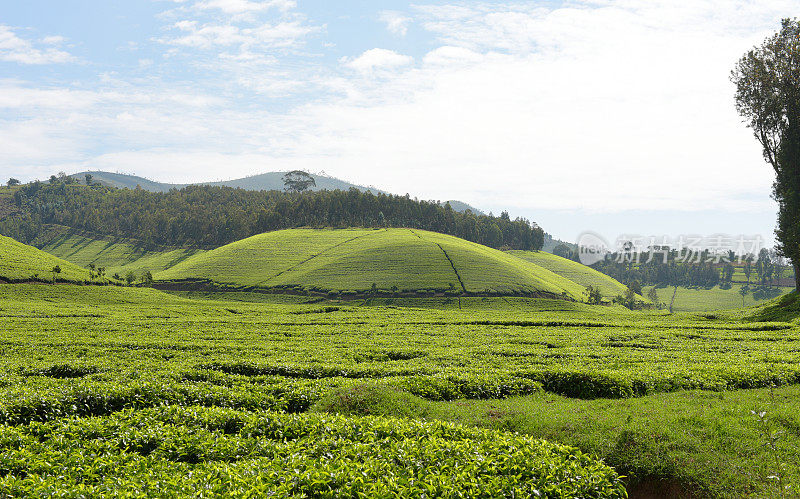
(117, 255)
(574, 271)
(20, 262)
(352, 260)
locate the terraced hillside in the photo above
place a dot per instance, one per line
(574, 271)
(20, 262)
(116, 255)
(355, 260)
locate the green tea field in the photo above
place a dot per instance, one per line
(20, 262)
(706, 300)
(400, 250)
(574, 271)
(116, 256)
(112, 389)
(359, 260)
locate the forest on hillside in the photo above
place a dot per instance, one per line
(211, 216)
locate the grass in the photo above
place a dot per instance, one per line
(116, 255)
(785, 308)
(705, 300)
(574, 271)
(353, 260)
(20, 262)
(145, 380)
(692, 441)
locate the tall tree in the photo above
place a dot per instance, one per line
(767, 82)
(298, 181)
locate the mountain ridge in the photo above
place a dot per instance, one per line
(259, 182)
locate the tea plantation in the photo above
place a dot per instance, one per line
(20, 262)
(117, 256)
(574, 271)
(112, 390)
(361, 260)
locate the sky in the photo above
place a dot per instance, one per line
(613, 116)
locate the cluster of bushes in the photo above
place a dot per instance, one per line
(196, 451)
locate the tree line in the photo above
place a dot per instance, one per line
(652, 270)
(211, 216)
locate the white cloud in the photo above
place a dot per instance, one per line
(15, 49)
(605, 105)
(244, 6)
(54, 40)
(396, 22)
(243, 39)
(612, 106)
(206, 36)
(448, 55)
(378, 59)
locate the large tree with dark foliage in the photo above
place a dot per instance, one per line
(298, 181)
(209, 216)
(767, 82)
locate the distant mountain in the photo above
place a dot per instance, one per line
(262, 182)
(550, 244)
(460, 206)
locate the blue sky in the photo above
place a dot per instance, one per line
(606, 115)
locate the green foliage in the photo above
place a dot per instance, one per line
(629, 299)
(593, 295)
(653, 270)
(117, 256)
(19, 262)
(196, 451)
(130, 277)
(574, 271)
(371, 400)
(717, 298)
(181, 395)
(367, 261)
(208, 217)
(698, 444)
(784, 308)
(584, 351)
(298, 181)
(652, 295)
(767, 97)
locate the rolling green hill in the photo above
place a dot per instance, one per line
(117, 255)
(353, 260)
(574, 271)
(20, 262)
